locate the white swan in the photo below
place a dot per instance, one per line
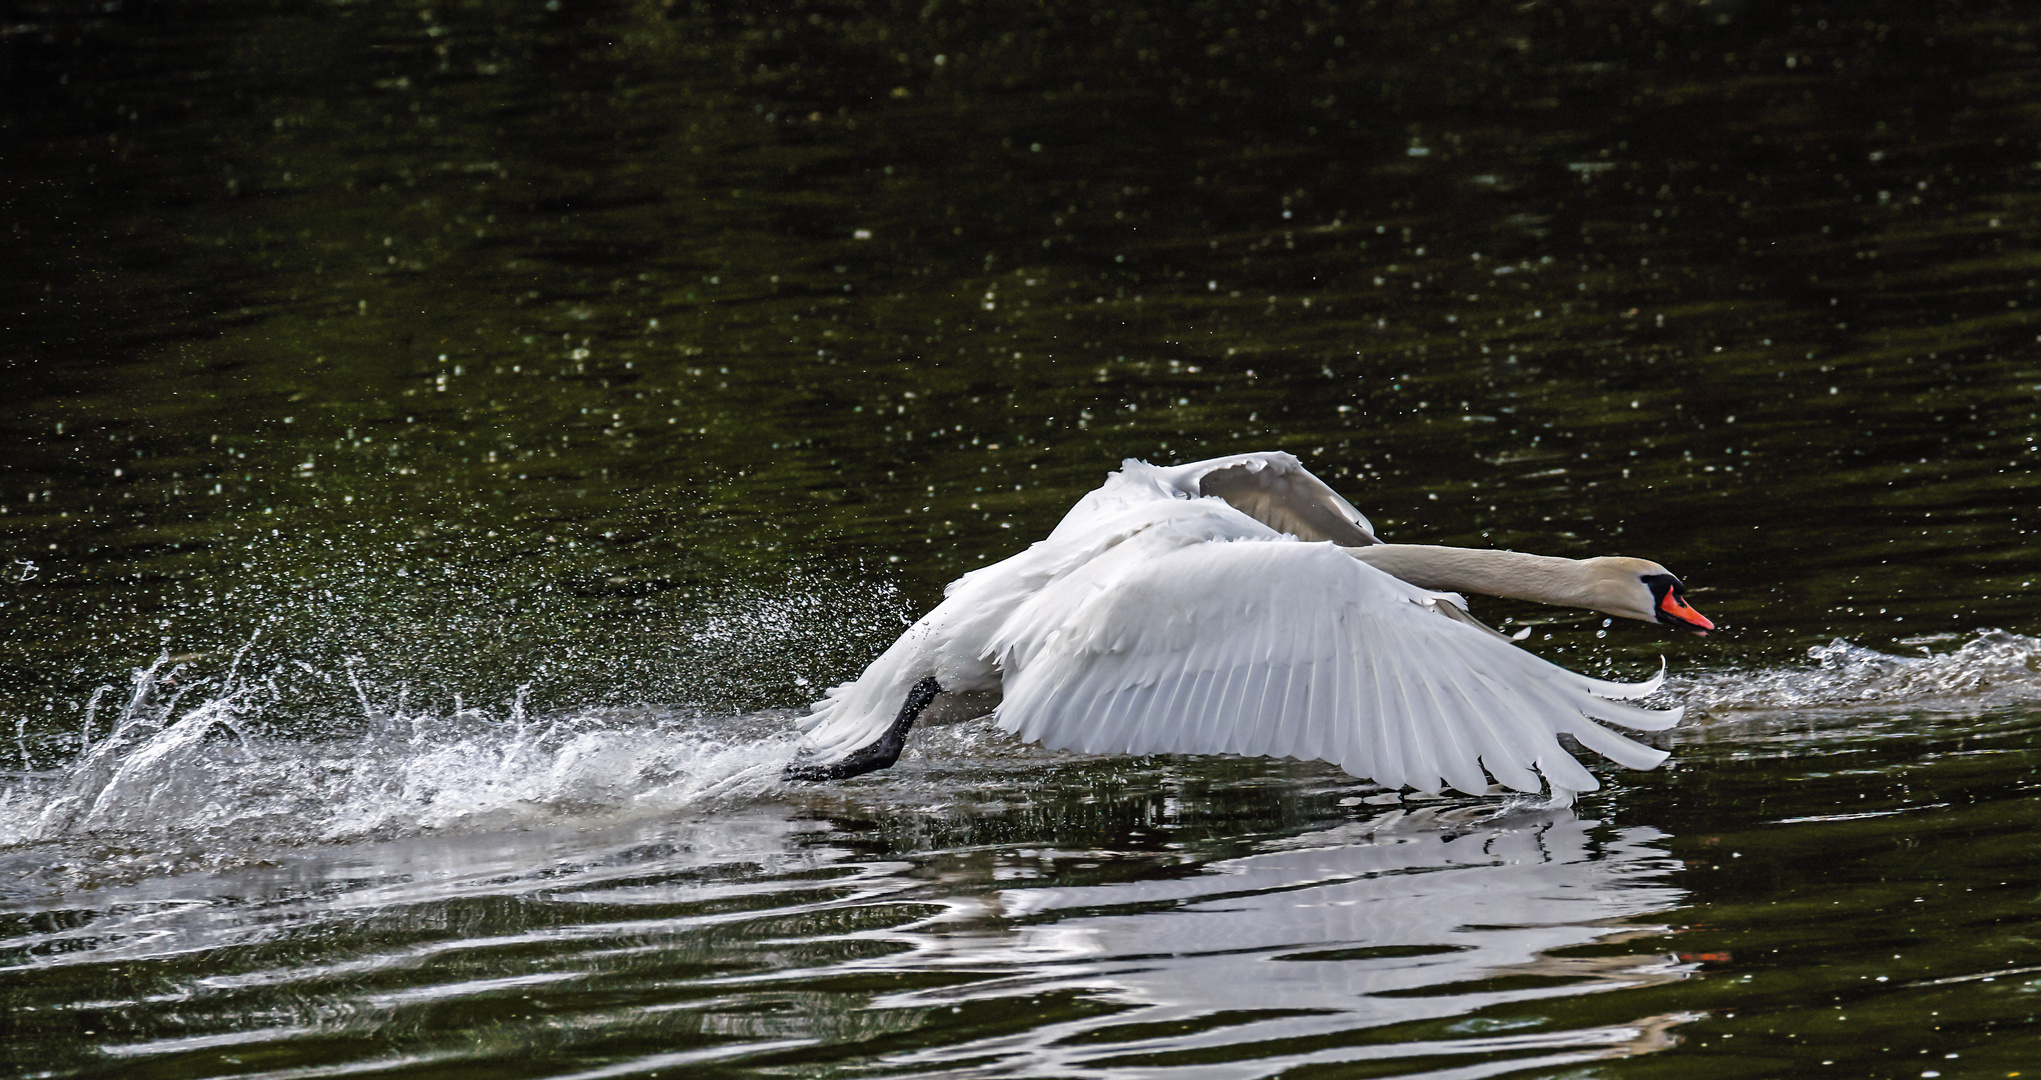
(1240, 606)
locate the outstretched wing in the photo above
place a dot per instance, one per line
(1271, 647)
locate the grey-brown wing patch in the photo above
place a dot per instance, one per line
(1293, 502)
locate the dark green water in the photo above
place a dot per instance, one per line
(506, 416)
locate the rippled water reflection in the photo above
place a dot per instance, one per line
(480, 424)
(748, 933)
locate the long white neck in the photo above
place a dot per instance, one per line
(1543, 578)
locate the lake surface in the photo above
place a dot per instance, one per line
(444, 447)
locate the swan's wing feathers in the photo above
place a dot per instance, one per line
(1297, 650)
(1284, 496)
(1627, 691)
(1454, 606)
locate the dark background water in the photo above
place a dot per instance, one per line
(664, 356)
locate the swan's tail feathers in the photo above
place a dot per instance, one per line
(820, 711)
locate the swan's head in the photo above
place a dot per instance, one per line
(1640, 589)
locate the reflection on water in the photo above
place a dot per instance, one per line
(1396, 920)
(760, 927)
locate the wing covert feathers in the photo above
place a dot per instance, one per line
(1179, 644)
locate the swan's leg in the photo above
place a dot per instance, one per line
(880, 753)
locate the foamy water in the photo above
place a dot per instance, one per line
(1985, 669)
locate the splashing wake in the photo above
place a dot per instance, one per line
(213, 773)
(1994, 668)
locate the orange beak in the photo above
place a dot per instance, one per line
(1678, 609)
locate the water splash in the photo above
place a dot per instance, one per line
(1995, 667)
(215, 775)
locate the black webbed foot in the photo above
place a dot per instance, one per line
(880, 753)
